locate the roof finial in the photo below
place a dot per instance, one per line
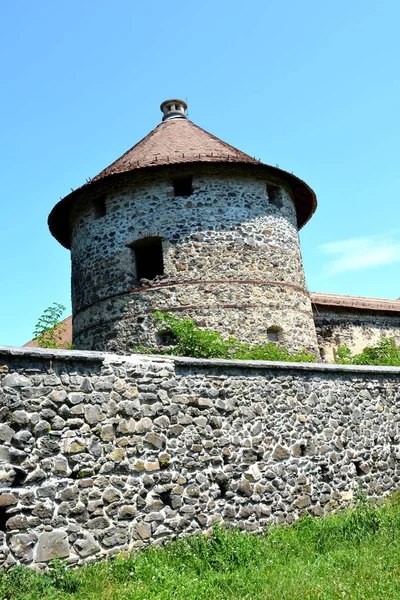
(173, 109)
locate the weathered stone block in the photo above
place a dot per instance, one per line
(16, 380)
(21, 545)
(6, 433)
(50, 545)
(7, 499)
(86, 545)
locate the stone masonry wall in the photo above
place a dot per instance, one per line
(352, 328)
(231, 254)
(103, 453)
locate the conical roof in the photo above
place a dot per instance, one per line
(177, 141)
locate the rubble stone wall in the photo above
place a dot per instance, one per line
(352, 328)
(231, 256)
(103, 453)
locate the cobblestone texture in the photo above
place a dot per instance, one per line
(232, 261)
(353, 329)
(103, 453)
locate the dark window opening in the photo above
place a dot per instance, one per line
(166, 338)
(183, 186)
(99, 205)
(274, 334)
(274, 195)
(148, 258)
(3, 518)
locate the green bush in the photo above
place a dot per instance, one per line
(385, 353)
(187, 339)
(49, 330)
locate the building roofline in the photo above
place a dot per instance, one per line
(59, 218)
(177, 143)
(355, 302)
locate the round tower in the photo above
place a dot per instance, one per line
(187, 224)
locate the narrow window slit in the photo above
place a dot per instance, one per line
(274, 194)
(99, 205)
(274, 334)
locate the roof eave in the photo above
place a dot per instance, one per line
(59, 218)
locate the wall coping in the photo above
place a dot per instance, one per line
(285, 366)
(51, 354)
(183, 361)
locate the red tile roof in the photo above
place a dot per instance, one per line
(174, 142)
(355, 302)
(66, 334)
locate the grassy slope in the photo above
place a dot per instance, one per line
(353, 555)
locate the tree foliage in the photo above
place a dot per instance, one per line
(385, 353)
(49, 330)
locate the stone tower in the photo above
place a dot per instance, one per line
(184, 222)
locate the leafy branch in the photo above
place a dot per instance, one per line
(49, 330)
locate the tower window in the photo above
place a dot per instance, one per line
(99, 205)
(183, 186)
(274, 195)
(274, 334)
(148, 257)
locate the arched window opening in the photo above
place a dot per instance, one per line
(274, 334)
(148, 255)
(183, 186)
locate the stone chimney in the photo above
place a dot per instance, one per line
(173, 109)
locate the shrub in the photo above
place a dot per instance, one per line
(189, 340)
(385, 353)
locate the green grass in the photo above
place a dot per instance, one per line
(353, 555)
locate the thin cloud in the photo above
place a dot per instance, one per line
(361, 253)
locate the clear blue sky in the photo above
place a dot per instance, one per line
(310, 86)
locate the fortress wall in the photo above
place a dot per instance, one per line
(103, 453)
(352, 328)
